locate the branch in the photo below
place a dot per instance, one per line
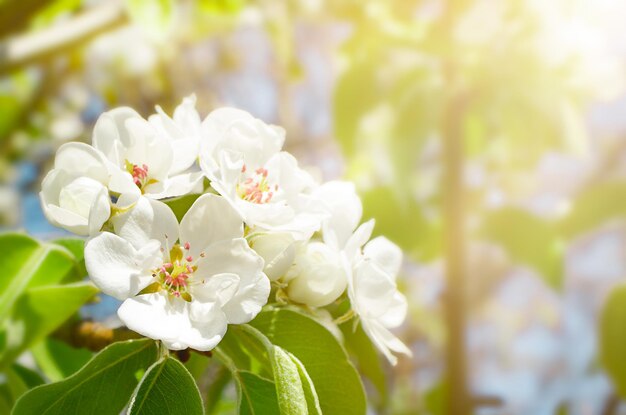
(15, 14)
(92, 335)
(34, 47)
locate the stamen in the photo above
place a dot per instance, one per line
(256, 189)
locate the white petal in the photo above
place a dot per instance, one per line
(66, 219)
(236, 257)
(374, 290)
(121, 181)
(116, 267)
(358, 239)
(157, 317)
(52, 184)
(230, 257)
(319, 287)
(208, 326)
(81, 159)
(148, 219)
(110, 135)
(237, 130)
(219, 288)
(148, 148)
(210, 219)
(385, 341)
(186, 114)
(79, 204)
(396, 311)
(100, 211)
(317, 277)
(251, 296)
(51, 187)
(178, 185)
(385, 254)
(278, 250)
(177, 323)
(184, 132)
(185, 153)
(283, 169)
(345, 209)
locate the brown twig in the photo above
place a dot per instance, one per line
(16, 14)
(92, 335)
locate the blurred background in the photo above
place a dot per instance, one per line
(487, 138)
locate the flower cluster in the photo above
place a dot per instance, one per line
(261, 230)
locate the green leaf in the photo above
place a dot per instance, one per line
(228, 7)
(77, 247)
(435, 399)
(28, 376)
(312, 400)
(367, 358)
(28, 263)
(220, 380)
(336, 381)
(527, 238)
(58, 360)
(40, 311)
(594, 206)
(12, 386)
(255, 394)
(284, 369)
(403, 221)
(258, 395)
(103, 386)
(289, 391)
(198, 365)
(613, 337)
(154, 17)
(166, 388)
(180, 205)
(15, 382)
(247, 352)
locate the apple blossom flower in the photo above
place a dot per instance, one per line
(142, 158)
(74, 194)
(374, 295)
(181, 283)
(242, 157)
(345, 257)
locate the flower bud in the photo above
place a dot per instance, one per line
(278, 250)
(317, 277)
(77, 204)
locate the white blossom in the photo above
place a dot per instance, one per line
(370, 267)
(74, 194)
(242, 157)
(181, 283)
(142, 158)
(375, 298)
